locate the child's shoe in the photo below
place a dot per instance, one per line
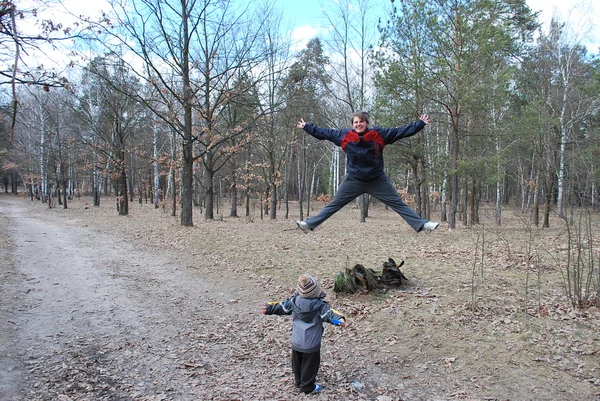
(317, 389)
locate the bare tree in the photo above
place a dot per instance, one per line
(191, 51)
(17, 44)
(274, 132)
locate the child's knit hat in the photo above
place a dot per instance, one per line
(309, 287)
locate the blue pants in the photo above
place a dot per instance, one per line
(381, 188)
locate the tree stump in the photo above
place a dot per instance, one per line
(360, 278)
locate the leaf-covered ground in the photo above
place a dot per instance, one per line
(97, 306)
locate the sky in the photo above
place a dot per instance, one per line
(582, 14)
(305, 19)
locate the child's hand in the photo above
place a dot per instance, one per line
(264, 309)
(342, 323)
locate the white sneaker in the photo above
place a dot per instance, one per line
(430, 226)
(303, 226)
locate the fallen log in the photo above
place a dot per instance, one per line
(360, 278)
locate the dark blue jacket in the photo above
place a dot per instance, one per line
(364, 153)
(308, 315)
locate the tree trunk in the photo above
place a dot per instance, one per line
(156, 168)
(360, 278)
(363, 204)
(472, 213)
(414, 165)
(261, 205)
(123, 189)
(310, 188)
(248, 190)
(210, 193)
(443, 201)
(187, 181)
(265, 203)
(465, 203)
(187, 147)
(173, 193)
(453, 177)
(285, 181)
(15, 183)
(131, 181)
(49, 196)
(423, 191)
(548, 202)
(233, 212)
(64, 186)
(274, 200)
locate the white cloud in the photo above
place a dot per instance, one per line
(581, 18)
(301, 35)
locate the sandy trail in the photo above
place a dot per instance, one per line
(87, 313)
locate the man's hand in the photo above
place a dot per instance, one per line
(301, 123)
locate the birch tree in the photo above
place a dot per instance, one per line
(31, 141)
(89, 93)
(119, 121)
(567, 102)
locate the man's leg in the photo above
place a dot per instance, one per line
(382, 189)
(348, 190)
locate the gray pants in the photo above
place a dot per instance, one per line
(381, 188)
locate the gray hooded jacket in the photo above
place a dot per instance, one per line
(308, 315)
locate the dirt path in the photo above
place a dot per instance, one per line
(87, 316)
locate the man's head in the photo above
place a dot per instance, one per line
(360, 121)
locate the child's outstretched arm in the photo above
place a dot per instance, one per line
(277, 308)
(332, 316)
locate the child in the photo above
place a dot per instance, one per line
(309, 311)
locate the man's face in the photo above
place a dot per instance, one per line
(359, 125)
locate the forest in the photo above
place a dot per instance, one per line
(159, 172)
(185, 104)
